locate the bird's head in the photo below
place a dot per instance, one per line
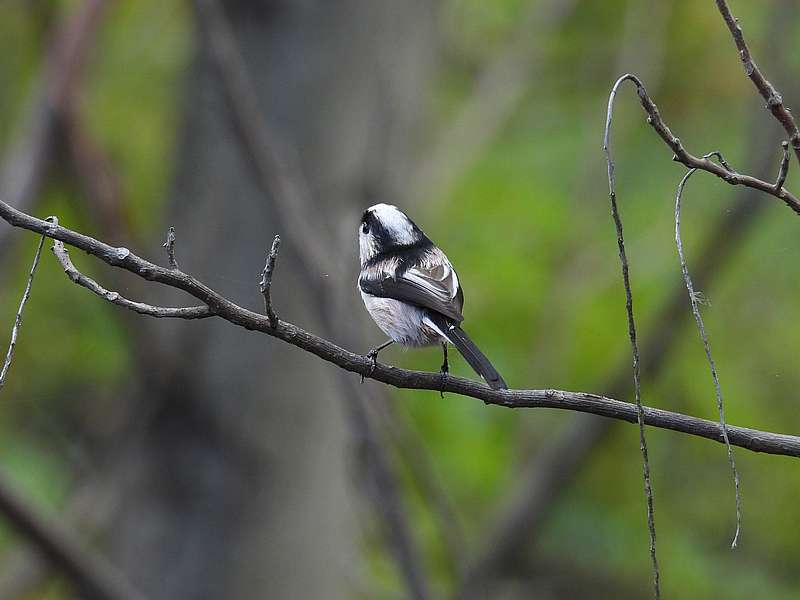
(385, 227)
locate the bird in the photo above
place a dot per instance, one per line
(411, 290)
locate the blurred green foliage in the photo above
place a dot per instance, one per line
(528, 228)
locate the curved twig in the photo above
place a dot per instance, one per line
(160, 312)
(681, 155)
(637, 388)
(694, 300)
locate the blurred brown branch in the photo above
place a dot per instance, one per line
(279, 175)
(123, 258)
(90, 508)
(497, 91)
(23, 170)
(92, 575)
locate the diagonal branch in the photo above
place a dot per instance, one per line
(497, 93)
(160, 312)
(750, 439)
(772, 97)
(92, 575)
(18, 318)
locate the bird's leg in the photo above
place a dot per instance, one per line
(373, 356)
(445, 369)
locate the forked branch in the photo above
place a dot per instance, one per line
(693, 162)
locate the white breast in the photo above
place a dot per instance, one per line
(403, 322)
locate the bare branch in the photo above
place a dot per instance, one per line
(750, 439)
(765, 88)
(266, 281)
(18, 319)
(170, 246)
(637, 388)
(705, 164)
(161, 312)
(783, 171)
(694, 299)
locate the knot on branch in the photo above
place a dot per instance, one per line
(774, 100)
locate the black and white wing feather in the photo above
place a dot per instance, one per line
(431, 282)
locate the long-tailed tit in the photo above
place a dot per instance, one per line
(411, 290)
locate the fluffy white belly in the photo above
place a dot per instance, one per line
(404, 323)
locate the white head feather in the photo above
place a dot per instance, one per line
(396, 224)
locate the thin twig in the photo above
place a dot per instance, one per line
(694, 300)
(161, 312)
(648, 488)
(18, 319)
(266, 281)
(170, 246)
(783, 171)
(772, 97)
(751, 439)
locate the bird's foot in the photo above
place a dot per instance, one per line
(372, 355)
(445, 370)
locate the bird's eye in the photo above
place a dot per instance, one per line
(365, 227)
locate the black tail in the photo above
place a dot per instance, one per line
(471, 353)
